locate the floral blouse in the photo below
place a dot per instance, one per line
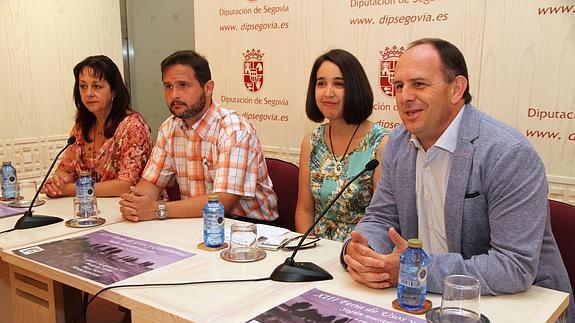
(346, 212)
(123, 156)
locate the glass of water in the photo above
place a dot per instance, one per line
(243, 245)
(86, 213)
(460, 301)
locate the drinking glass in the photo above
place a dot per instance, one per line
(25, 191)
(243, 242)
(460, 301)
(86, 213)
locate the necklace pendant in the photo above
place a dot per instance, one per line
(337, 168)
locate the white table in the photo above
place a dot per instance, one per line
(60, 207)
(237, 302)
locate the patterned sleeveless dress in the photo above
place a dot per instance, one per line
(346, 212)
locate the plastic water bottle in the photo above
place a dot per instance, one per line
(8, 180)
(85, 192)
(214, 233)
(412, 285)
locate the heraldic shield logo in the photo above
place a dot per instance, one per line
(253, 70)
(387, 63)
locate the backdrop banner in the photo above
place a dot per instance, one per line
(520, 56)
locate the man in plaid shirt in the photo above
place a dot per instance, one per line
(206, 148)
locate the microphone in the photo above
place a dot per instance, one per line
(291, 271)
(28, 221)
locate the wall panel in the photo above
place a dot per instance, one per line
(41, 43)
(527, 79)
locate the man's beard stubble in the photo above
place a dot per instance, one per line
(190, 111)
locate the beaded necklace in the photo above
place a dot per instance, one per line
(338, 162)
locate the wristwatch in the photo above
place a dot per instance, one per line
(161, 212)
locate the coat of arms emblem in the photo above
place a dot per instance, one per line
(253, 70)
(387, 63)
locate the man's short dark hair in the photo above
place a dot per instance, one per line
(192, 59)
(358, 100)
(452, 59)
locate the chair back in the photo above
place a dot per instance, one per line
(563, 227)
(174, 192)
(284, 176)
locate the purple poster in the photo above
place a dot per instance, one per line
(103, 256)
(318, 306)
(8, 211)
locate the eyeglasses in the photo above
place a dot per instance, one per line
(290, 243)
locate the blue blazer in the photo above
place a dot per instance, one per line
(496, 211)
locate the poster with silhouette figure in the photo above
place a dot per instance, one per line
(318, 306)
(103, 256)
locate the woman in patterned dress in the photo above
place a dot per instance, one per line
(113, 142)
(336, 151)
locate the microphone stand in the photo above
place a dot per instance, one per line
(292, 271)
(28, 221)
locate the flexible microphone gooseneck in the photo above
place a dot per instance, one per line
(28, 221)
(291, 271)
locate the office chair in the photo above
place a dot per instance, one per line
(563, 227)
(284, 176)
(173, 192)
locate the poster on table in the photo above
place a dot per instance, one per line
(6, 210)
(103, 256)
(316, 305)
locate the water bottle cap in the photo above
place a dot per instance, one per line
(6, 163)
(213, 197)
(84, 173)
(414, 243)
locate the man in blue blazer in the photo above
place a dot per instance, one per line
(470, 187)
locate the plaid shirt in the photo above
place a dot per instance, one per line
(219, 153)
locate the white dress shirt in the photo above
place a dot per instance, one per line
(432, 175)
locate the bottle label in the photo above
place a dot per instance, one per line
(416, 281)
(422, 275)
(84, 187)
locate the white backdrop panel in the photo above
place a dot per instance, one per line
(520, 55)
